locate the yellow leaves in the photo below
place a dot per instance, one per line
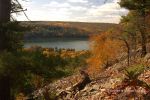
(104, 48)
(67, 54)
(64, 53)
(48, 53)
(72, 54)
(20, 96)
(45, 52)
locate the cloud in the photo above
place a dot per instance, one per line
(73, 10)
(110, 12)
(55, 4)
(78, 1)
(50, 11)
(107, 9)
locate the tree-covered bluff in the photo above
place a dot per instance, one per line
(46, 30)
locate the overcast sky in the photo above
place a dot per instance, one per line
(73, 10)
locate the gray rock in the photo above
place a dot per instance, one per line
(147, 57)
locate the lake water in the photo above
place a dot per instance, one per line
(77, 44)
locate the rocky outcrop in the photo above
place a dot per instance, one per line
(108, 85)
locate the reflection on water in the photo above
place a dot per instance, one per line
(77, 44)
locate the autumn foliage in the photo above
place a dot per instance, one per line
(104, 48)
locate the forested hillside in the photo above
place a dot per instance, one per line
(44, 30)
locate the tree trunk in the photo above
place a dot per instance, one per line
(143, 42)
(5, 88)
(5, 8)
(144, 29)
(128, 51)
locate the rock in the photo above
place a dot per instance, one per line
(96, 87)
(85, 94)
(102, 90)
(147, 57)
(148, 61)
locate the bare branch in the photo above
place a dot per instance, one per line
(21, 10)
(18, 11)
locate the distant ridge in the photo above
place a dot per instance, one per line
(89, 26)
(50, 29)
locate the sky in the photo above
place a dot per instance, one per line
(72, 10)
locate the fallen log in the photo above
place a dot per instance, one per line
(81, 85)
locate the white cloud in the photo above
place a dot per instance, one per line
(105, 9)
(116, 1)
(51, 11)
(55, 4)
(73, 10)
(78, 1)
(109, 12)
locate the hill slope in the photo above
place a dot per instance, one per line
(46, 29)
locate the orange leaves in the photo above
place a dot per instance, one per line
(104, 49)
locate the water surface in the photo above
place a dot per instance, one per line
(77, 44)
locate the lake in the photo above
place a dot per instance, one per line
(77, 44)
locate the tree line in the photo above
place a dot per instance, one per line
(54, 31)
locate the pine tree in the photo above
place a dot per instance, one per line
(8, 42)
(142, 9)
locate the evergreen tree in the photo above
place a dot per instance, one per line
(10, 41)
(141, 8)
(5, 8)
